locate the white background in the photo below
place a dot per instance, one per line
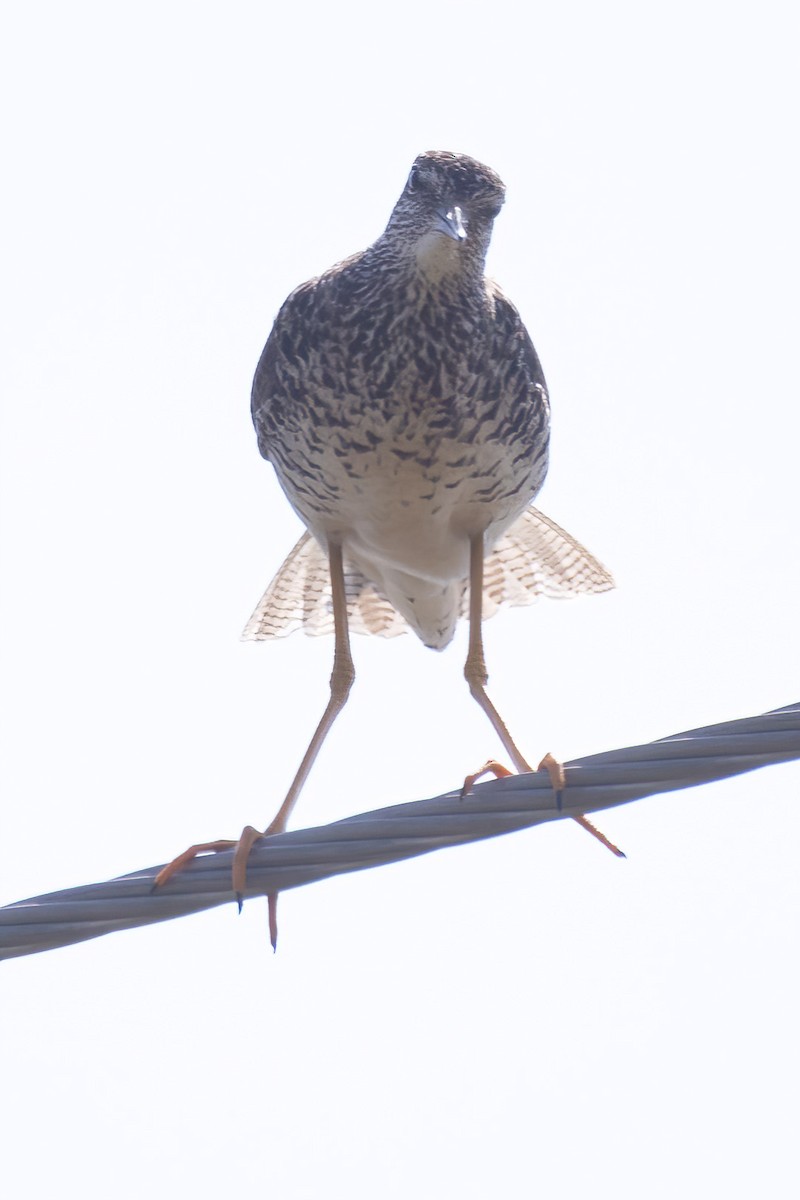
(524, 1017)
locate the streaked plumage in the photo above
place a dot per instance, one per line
(403, 407)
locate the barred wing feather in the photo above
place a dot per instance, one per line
(535, 557)
(300, 597)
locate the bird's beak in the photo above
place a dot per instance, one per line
(451, 221)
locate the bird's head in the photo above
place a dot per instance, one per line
(445, 214)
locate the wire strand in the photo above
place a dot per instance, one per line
(386, 835)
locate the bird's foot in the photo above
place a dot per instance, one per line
(492, 767)
(558, 778)
(241, 847)
(601, 837)
(181, 860)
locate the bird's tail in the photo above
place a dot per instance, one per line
(535, 557)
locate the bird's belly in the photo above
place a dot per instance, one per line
(413, 511)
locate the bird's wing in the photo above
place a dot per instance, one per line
(536, 557)
(279, 395)
(300, 597)
(518, 341)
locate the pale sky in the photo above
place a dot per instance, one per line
(523, 1017)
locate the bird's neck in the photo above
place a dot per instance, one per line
(434, 265)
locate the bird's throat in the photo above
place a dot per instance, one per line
(438, 258)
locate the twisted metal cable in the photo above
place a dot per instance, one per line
(386, 835)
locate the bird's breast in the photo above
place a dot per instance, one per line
(404, 428)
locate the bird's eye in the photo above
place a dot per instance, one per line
(413, 178)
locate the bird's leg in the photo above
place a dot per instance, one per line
(476, 675)
(475, 667)
(342, 678)
(341, 681)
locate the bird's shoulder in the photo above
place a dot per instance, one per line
(512, 334)
(316, 297)
(301, 318)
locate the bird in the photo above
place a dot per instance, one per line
(403, 407)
